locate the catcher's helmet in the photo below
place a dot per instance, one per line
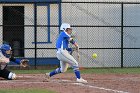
(64, 26)
(4, 48)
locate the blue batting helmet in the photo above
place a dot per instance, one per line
(4, 48)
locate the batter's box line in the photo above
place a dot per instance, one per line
(87, 85)
(66, 81)
(101, 88)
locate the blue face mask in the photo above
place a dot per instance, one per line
(8, 56)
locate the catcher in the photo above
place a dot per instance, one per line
(5, 58)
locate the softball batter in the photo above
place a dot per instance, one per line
(63, 55)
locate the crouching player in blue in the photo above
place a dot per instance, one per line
(64, 56)
(5, 58)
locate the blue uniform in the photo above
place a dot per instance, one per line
(63, 55)
(63, 40)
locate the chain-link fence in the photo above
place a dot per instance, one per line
(110, 29)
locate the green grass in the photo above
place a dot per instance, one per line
(25, 91)
(84, 71)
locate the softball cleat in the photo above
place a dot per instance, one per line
(81, 80)
(47, 75)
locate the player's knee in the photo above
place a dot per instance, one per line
(75, 64)
(12, 76)
(75, 68)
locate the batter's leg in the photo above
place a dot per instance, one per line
(66, 57)
(63, 68)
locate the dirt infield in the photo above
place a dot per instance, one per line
(65, 83)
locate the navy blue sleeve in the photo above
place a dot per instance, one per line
(17, 61)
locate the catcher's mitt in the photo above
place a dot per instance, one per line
(24, 62)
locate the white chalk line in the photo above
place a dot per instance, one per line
(65, 81)
(90, 86)
(101, 88)
(61, 81)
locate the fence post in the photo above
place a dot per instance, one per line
(122, 35)
(35, 31)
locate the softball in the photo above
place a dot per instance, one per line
(94, 55)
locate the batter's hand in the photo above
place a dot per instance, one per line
(24, 62)
(77, 48)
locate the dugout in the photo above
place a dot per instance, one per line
(25, 25)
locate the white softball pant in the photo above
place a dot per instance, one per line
(66, 59)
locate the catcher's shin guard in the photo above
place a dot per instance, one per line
(4, 73)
